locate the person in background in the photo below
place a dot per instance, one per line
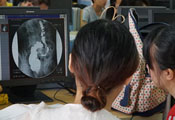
(93, 12)
(101, 68)
(158, 50)
(25, 3)
(5, 3)
(43, 4)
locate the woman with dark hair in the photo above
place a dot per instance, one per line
(100, 64)
(159, 52)
(101, 67)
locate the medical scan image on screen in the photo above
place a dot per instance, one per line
(37, 48)
(33, 46)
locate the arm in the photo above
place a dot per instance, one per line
(85, 16)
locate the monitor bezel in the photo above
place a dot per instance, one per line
(139, 7)
(49, 79)
(148, 8)
(152, 14)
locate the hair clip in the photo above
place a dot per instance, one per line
(114, 17)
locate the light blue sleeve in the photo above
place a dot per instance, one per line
(86, 15)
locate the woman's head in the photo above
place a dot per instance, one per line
(159, 47)
(103, 57)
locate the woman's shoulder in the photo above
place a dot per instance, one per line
(106, 115)
(78, 110)
(50, 112)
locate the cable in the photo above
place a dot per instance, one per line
(132, 117)
(68, 89)
(57, 98)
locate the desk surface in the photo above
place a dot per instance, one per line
(69, 98)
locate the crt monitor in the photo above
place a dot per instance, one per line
(163, 16)
(167, 3)
(142, 11)
(33, 48)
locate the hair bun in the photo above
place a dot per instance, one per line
(90, 103)
(94, 98)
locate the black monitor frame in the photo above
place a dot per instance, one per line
(167, 3)
(165, 19)
(34, 81)
(23, 90)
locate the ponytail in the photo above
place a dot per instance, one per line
(94, 98)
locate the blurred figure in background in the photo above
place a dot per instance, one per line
(25, 3)
(93, 12)
(5, 3)
(43, 4)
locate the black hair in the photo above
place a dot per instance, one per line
(104, 56)
(162, 41)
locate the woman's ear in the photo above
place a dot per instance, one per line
(168, 74)
(70, 63)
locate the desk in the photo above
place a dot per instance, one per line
(69, 98)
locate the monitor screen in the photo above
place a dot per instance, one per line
(34, 46)
(143, 18)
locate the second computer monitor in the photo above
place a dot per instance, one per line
(142, 11)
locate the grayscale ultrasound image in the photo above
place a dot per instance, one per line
(37, 48)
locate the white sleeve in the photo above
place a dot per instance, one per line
(14, 110)
(23, 112)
